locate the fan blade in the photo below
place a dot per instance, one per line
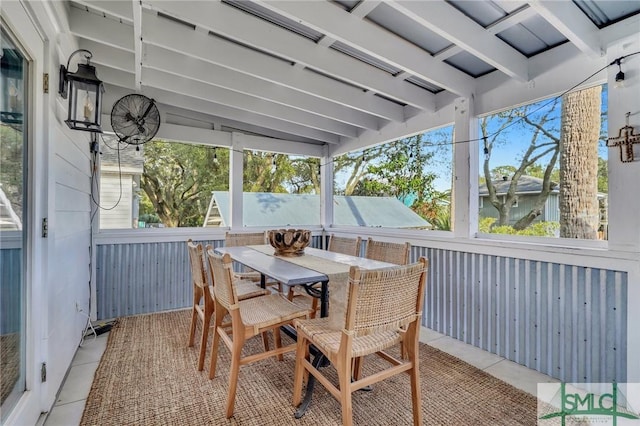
(151, 104)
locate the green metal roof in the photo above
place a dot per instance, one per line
(275, 209)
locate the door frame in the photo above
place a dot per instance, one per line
(21, 22)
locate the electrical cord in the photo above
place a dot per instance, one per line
(93, 178)
(95, 189)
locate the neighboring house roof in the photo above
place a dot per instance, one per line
(275, 209)
(129, 157)
(526, 185)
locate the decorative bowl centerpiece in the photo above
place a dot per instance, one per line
(289, 242)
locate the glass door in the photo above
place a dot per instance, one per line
(13, 214)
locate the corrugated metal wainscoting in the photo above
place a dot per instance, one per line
(569, 322)
(11, 296)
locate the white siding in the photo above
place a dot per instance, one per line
(70, 239)
(116, 210)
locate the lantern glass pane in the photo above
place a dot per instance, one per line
(84, 105)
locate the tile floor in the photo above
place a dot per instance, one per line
(69, 406)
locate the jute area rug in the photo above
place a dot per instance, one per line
(148, 376)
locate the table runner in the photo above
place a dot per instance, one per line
(338, 274)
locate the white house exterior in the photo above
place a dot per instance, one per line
(119, 184)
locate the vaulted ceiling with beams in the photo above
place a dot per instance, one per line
(326, 72)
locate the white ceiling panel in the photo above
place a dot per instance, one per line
(340, 73)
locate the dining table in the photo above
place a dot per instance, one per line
(314, 266)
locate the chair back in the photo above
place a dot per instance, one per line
(397, 253)
(196, 259)
(386, 298)
(223, 289)
(350, 246)
(245, 239)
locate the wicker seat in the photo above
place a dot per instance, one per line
(249, 318)
(384, 308)
(350, 246)
(397, 253)
(203, 304)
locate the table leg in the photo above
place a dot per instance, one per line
(263, 281)
(320, 360)
(324, 299)
(311, 381)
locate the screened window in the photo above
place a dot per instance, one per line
(162, 185)
(400, 184)
(543, 168)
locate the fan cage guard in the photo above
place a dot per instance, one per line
(135, 119)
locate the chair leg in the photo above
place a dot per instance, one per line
(344, 378)
(414, 373)
(236, 353)
(314, 307)
(278, 342)
(192, 328)
(206, 323)
(219, 316)
(265, 341)
(197, 294)
(357, 368)
(302, 352)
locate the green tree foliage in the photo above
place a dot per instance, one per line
(178, 180)
(399, 169)
(266, 172)
(487, 225)
(603, 175)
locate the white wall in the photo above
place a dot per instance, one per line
(69, 224)
(59, 174)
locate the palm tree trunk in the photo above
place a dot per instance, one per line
(579, 215)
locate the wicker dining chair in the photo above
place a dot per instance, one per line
(236, 239)
(350, 246)
(245, 239)
(249, 318)
(203, 304)
(384, 308)
(397, 253)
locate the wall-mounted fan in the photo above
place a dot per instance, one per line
(135, 119)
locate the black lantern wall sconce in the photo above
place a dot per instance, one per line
(84, 91)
